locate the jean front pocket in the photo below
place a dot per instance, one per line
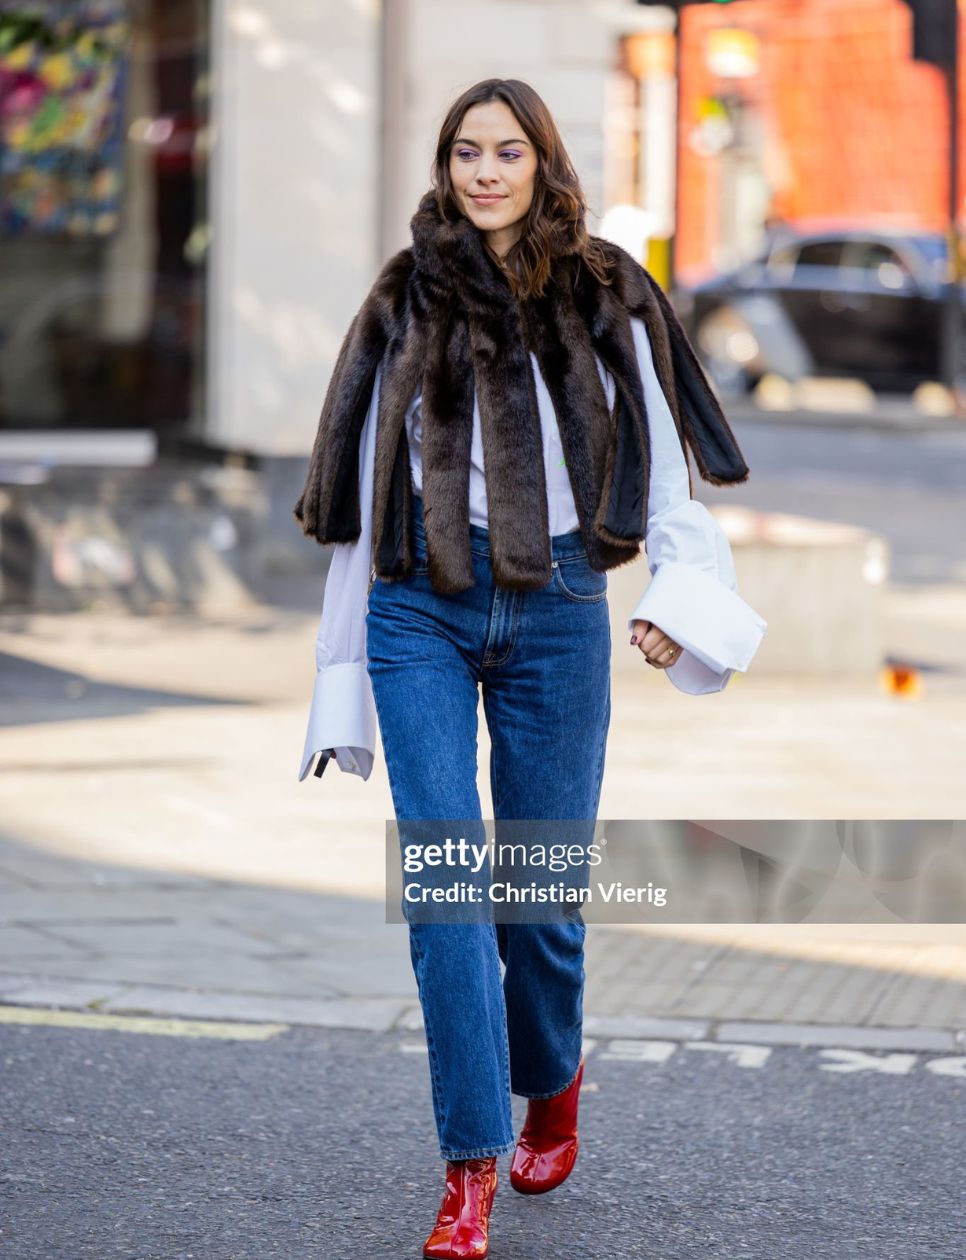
(576, 580)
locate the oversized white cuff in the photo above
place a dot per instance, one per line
(342, 717)
(718, 630)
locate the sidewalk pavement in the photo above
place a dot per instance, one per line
(158, 854)
(844, 404)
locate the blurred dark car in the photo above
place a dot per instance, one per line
(859, 304)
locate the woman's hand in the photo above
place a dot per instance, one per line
(659, 649)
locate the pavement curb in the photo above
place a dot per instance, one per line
(884, 421)
(382, 1015)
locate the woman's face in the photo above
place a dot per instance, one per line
(493, 169)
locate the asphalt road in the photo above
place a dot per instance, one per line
(320, 1144)
(907, 485)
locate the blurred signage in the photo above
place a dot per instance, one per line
(62, 77)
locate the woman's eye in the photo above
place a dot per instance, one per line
(470, 154)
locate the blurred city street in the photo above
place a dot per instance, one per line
(211, 1039)
(159, 854)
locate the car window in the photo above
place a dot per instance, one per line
(867, 254)
(820, 254)
(887, 267)
(797, 258)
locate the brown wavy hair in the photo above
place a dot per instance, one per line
(555, 222)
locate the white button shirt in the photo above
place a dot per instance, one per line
(692, 595)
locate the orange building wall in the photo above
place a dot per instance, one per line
(855, 128)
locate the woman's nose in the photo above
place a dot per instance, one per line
(487, 171)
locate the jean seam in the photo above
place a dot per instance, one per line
(392, 786)
(505, 1047)
(517, 618)
(601, 750)
(430, 1047)
(513, 640)
(494, 748)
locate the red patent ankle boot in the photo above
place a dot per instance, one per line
(463, 1222)
(547, 1146)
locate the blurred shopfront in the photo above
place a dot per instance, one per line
(103, 214)
(196, 195)
(171, 303)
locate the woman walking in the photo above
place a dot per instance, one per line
(508, 419)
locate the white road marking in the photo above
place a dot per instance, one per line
(955, 1065)
(745, 1055)
(639, 1051)
(740, 1053)
(863, 1061)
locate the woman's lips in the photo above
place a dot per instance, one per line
(487, 201)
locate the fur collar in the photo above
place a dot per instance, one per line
(442, 318)
(451, 256)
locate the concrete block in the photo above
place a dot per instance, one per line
(819, 585)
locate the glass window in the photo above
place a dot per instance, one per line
(103, 216)
(820, 254)
(871, 256)
(883, 268)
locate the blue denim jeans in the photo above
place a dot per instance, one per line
(543, 660)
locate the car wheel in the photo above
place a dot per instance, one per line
(725, 345)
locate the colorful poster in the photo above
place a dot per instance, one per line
(62, 78)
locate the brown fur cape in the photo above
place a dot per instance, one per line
(441, 317)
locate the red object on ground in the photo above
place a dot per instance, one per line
(462, 1224)
(547, 1146)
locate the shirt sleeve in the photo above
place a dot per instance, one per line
(342, 715)
(693, 593)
